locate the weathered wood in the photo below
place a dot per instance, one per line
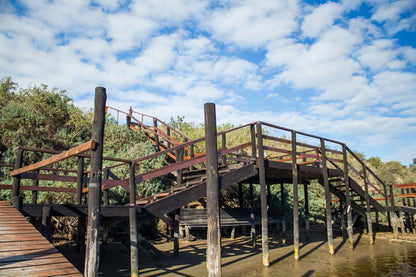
(134, 254)
(54, 159)
(106, 200)
(92, 255)
(306, 209)
(327, 198)
(295, 198)
(37, 188)
(16, 180)
(240, 195)
(46, 221)
(224, 146)
(252, 216)
(347, 197)
(263, 197)
(282, 207)
(212, 189)
(176, 233)
(368, 207)
(179, 158)
(156, 136)
(80, 179)
(35, 192)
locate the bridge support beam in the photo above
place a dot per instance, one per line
(16, 180)
(212, 191)
(263, 197)
(253, 226)
(347, 197)
(295, 197)
(134, 251)
(367, 203)
(305, 191)
(327, 198)
(92, 255)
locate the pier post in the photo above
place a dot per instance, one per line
(176, 233)
(295, 197)
(263, 197)
(282, 207)
(179, 157)
(156, 138)
(212, 189)
(327, 198)
(46, 221)
(134, 252)
(393, 214)
(253, 226)
(16, 180)
(305, 191)
(92, 255)
(105, 192)
(347, 197)
(35, 184)
(80, 243)
(367, 202)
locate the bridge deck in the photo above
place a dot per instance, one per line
(24, 251)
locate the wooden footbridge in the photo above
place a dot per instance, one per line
(196, 169)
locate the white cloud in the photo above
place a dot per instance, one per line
(321, 19)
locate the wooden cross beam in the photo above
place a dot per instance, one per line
(56, 158)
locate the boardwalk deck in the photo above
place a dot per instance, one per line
(24, 251)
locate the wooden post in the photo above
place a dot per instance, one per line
(105, 192)
(347, 197)
(393, 214)
(80, 243)
(263, 197)
(224, 146)
(212, 189)
(179, 158)
(176, 233)
(269, 199)
(401, 217)
(16, 180)
(327, 198)
(368, 210)
(295, 198)
(35, 184)
(134, 253)
(92, 255)
(156, 135)
(168, 133)
(46, 221)
(305, 191)
(282, 207)
(252, 216)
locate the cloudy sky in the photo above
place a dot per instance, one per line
(342, 69)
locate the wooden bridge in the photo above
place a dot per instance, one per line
(270, 155)
(24, 251)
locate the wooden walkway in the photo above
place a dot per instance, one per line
(25, 252)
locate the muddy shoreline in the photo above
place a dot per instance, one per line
(386, 257)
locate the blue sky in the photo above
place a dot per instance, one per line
(344, 69)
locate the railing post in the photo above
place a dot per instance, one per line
(80, 243)
(35, 184)
(253, 140)
(176, 231)
(252, 216)
(393, 214)
(16, 180)
(347, 197)
(46, 221)
(282, 209)
(105, 191)
(134, 261)
(367, 202)
(92, 255)
(179, 158)
(295, 198)
(224, 146)
(386, 201)
(327, 198)
(263, 197)
(168, 133)
(212, 191)
(305, 191)
(156, 135)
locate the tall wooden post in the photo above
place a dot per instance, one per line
(393, 214)
(105, 192)
(16, 180)
(348, 197)
(134, 261)
(295, 197)
(224, 146)
(282, 207)
(305, 191)
(263, 197)
(179, 157)
(94, 187)
(253, 226)
(46, 221)
(157, 143)
(213, 213)
(367, 202)
(35, 184)
(327, 198)
(176, 233)
(240, 195)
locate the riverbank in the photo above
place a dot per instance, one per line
(388, 256)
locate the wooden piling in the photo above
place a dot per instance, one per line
(263, 197)
(224, 146)
(295, 198)
(327, 198)
(393, 214)
(134, 252)
(80, 242)
(179, 157)
(305, 191)
(212, 191)
(106, 200)
(46, 221)
(176, 233)
(347, 197)
(35, 184)
(92, 255)
(16, 180)
(157, 143)
(282, 207)
(252, 216)
(368, 207)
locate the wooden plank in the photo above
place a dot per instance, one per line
(59, 157)
(36, 188)
(406, 186)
